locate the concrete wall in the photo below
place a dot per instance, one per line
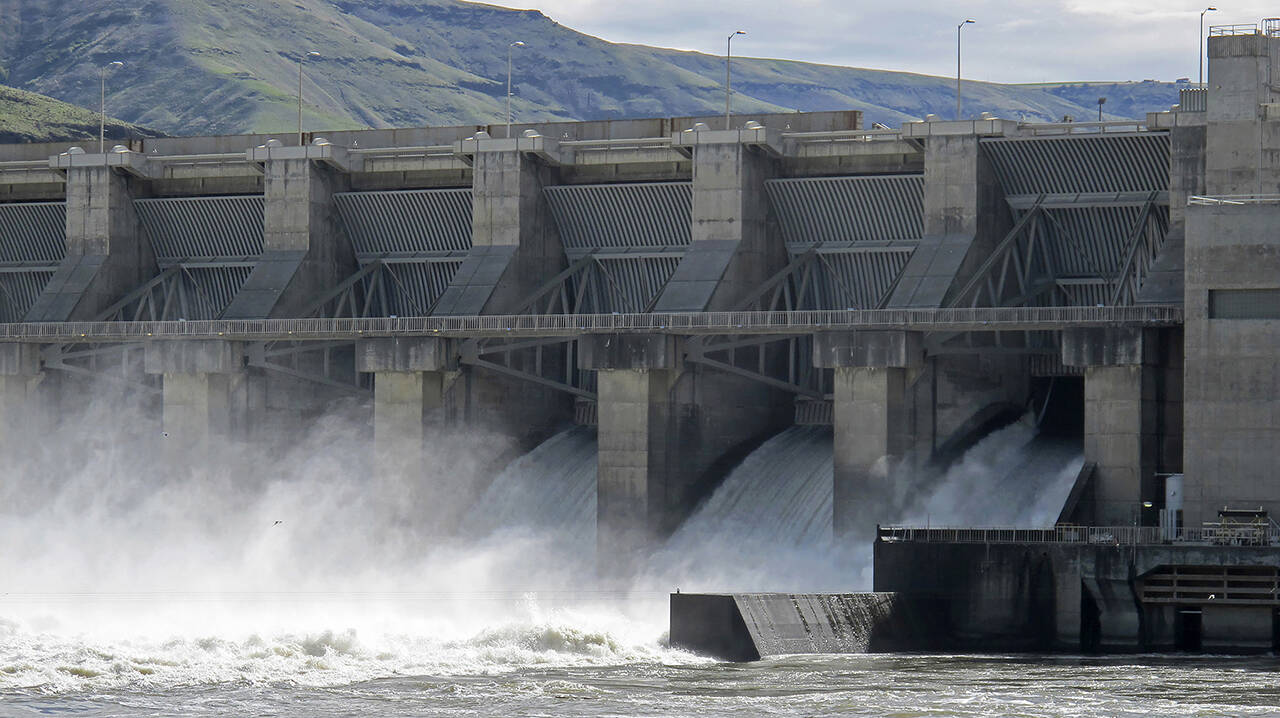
(1232, 392)
(1243, 136)
(1065, 597)
(748, 626)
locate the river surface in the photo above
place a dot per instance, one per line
(557, 670)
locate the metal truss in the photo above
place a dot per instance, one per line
(761, 359)
(360, 296)
(118, 364)
(1144, 242)
(1022, 271)
(180, 292)
(549, 361)
(330, 364)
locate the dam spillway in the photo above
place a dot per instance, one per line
(689, 293)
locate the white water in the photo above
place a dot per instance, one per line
(552, 489)
(296, 567)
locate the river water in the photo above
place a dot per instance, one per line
(293, 584)
(546, 671)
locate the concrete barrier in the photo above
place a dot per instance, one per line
(750, 626)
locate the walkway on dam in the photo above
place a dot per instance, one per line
(969, 319)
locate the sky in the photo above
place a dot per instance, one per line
(1037, 41)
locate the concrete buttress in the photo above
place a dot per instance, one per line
(304, 250)
(514, 250)
(106, 254)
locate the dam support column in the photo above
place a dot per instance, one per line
(869, 421)
(20, 373)
(304, 252)
(1120, 416)
(732, 249)
(205, 392)
(639, 467)
(409, 379)
(515, 249)
(106, 253)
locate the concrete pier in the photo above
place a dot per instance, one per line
(304, 251)
(204, 385)
(732, 250)
(964, 214)
(869, 419)
(514, 250)
(106, 254)
(19, 374)
(409, 382)
(514, 246)
(1120, 413)
(639, 469)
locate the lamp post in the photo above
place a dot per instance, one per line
(958, 29)
(1101, 101)
(1202, 12)
(510, 47)
(102, 107)
(302, 59)
(728, 88)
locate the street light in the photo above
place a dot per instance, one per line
(728, 91)
(102, 125)
(1101, 101)
(958, 28)
(1202, 12)
(302, 59)
(515, 44)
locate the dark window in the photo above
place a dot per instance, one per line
(1244, 303)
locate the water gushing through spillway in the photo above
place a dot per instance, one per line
(551, 489)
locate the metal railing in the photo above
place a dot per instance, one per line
(1234, 199)
(842, 136)
(1215, 534)
(1193, 99)
(1082, 128)
(1244, 28)
(955, 319)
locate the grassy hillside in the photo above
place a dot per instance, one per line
(225, 66)
(28, 117)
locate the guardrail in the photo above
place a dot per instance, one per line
(1243, 28)
(1082, 128)
(1234, 199)
(1193, 99)
(957, 319)
(1207, 535)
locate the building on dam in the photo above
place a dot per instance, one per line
(692, 289)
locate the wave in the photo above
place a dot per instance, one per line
(53, 663)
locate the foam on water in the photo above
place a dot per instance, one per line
(56, 662)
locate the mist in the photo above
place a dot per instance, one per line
(132, 559)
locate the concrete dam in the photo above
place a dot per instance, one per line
(674, 341)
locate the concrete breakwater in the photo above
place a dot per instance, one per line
(750, 626)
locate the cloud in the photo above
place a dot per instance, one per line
(1011, 42)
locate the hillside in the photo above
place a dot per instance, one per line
(29, 117)
(228, 66)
